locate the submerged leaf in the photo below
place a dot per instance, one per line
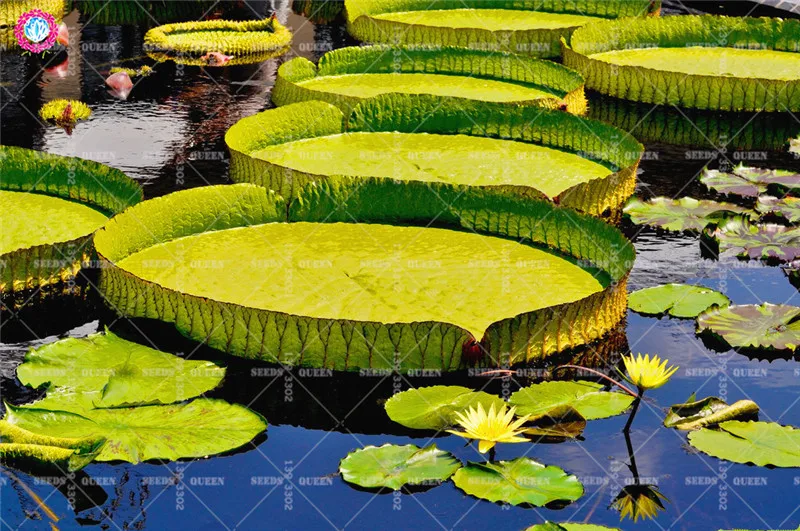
(587, 398)
(521, 481)
(760, 443)
(685, 214)
(393, 466)
(196, 429)
(119, 371)
(786, 207)
(767, 242)
(747, 181)
(678, 300)
(768, 326)
(436, 407)
(709, 411)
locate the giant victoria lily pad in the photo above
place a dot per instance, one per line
(224, 265)
(49, 208)
(747, 181)
(521, 481)
(659, 60)
(347, 76)
(768, 326)
(768, 241)
(528, 27)
(533, 152)
(760, 443)
(130, 12)
(684, 214)
(391, 466)
(247, 41)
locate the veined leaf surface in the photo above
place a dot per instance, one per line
(392, 466)
(435, 407)
(587, 398)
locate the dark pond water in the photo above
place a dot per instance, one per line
(169, 136)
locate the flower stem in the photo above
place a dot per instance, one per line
(636, 403)
(601, 375)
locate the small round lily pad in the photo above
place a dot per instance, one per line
(677, 300)
(435, 407)
(684, 214)
(765, 326)
(392, 466)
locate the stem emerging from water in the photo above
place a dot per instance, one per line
(636, 403)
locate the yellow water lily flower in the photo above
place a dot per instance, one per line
(639, 501)
(647, 373)
(490, 427)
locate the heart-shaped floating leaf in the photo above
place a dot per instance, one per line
(568, 526)
(391, 466)
(435, 407)
(685, 214)
(709, 411)
(768, 241)
(522, 480)
(760, 443)
(678, 300)
(586, 398)
(786, 207)
(748, 181)
(765, 326)
(119, 371)
(196, 429)
(561, 422)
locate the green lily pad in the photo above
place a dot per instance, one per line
(196, 429)
(684, 214)
(767, 242)
(586, 398)
(521, 481)
(561, 422)
(119, 372)
(393, 466)
(749, 182)
(569, 526)
(41, 454)
(678, 300)
(435, 407)
(786, 207)
(760, 443)
(709, 411)
(768, 326)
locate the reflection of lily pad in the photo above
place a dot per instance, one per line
(786, 207)
(768, 241)
(678, 300)
(685, 214)
(435, 407)
(562, 422)
(522, 480)
(197, 429)
(760, 443)
(768, 326)
(119, 371)
(586, 398)
(749, 182)
(709, 411)
(393, 466)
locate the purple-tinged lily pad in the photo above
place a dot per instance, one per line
(684, 214)
(767, 241)
(787, 207)
(765, 326)
(747, 181)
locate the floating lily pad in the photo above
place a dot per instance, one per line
(786, 207)
(707, 412)
(678, 300)
(391, 466)
(749, 182)
(503, 25)
(119, 372)
(199, 428)
(247, 41)
(587, 398)
(349, 303)
(561, 422)
(767, 241)
(435, 407)
(659, 60)
(685, 214)
(760, 443)
(424, 139)
(768, 326)
(49, 208)
(521, 481)
(350, 75)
